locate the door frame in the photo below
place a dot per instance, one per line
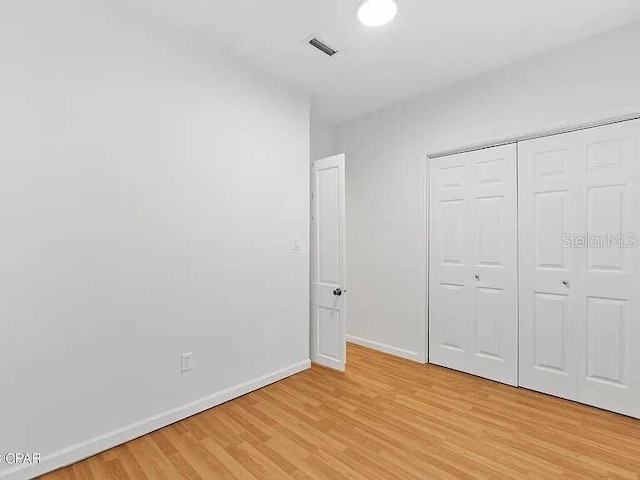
(588, 120)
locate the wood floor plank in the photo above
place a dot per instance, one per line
(384, 418)
(153, 462)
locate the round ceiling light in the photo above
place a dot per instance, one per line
(374, 13)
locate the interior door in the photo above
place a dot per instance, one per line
(473, 263)
(328, 276)
(608, 326)
(548, 176)
(580, 266)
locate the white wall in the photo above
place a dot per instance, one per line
(150, 192)
(594, 79)
(321, 142)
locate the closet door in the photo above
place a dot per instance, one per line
(451, 272)
(579, 270)
(473, 255)
(548, 207)
(608, 323)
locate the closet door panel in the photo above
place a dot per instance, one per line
(494, 251)
(608, 329)
(579, 309)
(450, 263)
(473, 258)
(547, 173)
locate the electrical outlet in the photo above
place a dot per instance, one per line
(187, 363)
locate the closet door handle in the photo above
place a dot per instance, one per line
(477, 277)
(565, 283)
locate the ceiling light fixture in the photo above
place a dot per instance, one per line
(374, 13)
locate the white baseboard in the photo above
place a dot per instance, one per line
(88, 448)
(381, 347)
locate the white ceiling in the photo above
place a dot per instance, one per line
(431, 43)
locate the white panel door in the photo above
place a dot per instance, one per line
(328, 302)
(473, 263)
(608, 324)
(580, 269)
(548, 208)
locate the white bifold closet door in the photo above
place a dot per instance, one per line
(579, 215)
(473, 258)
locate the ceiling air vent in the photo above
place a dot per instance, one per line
(323, 47)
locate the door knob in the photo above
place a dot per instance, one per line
(337, 292)
(477, 276)
(565, 283)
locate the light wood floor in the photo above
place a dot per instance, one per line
(385, 418)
